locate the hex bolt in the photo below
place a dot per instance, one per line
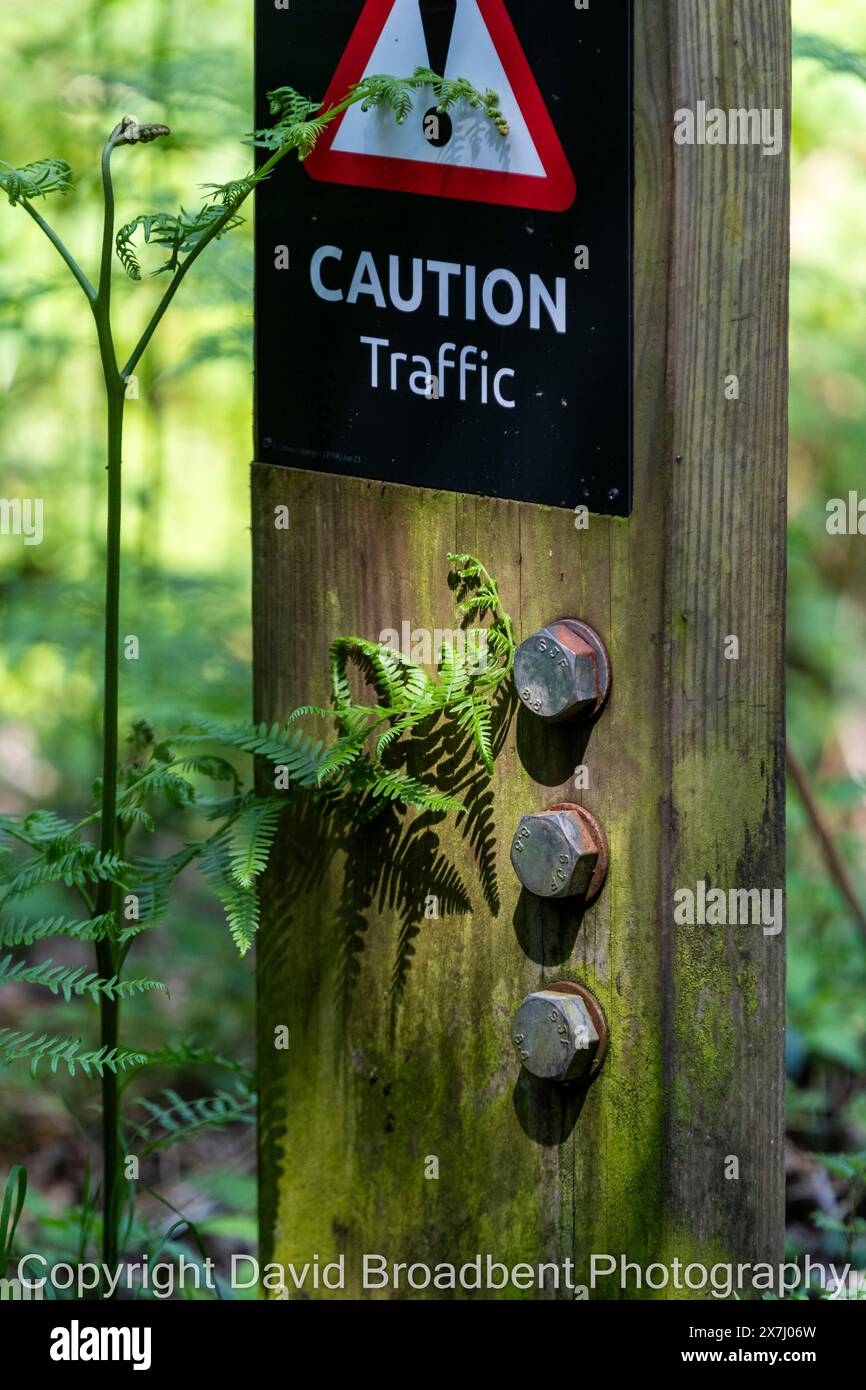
(559, 1032)
(563, 671)
(560, 853)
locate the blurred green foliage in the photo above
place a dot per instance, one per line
(72, 70)
(827, 623)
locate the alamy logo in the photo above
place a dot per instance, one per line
(736, 907)
(846, 517)
(22, 516)
(425, 645)
(76, 1343)
(739, 126)
(14, 1291)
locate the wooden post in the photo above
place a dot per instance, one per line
(396, 1057)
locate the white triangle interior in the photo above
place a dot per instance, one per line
(475, 143)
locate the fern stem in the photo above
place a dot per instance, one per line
(105, 953)
(63, 250)
(219, 225)
(193, 256)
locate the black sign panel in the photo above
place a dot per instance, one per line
(437, 303)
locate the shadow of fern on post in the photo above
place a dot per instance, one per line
(361, 831)
(426, 746)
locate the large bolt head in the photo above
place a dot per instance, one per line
(555, 853)
(554, 1036)
(562, 671)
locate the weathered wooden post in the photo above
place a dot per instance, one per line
(674, 1151)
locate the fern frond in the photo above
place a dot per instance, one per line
(498, 641)
(35, 180)
(75, 867)
(44, 828)
(394, 92)
(297, 126)
(211, 766)
(189, 1053)
(340, 756)
(467, 566)
(231, 194)
(56, 1051)
(419, 692)
(290, 105)
(250, 838)
(357, 721)
(304, 711)
(136, 815)
(338, 657)
(157, 777)
(184, 1119)
(479, 603)
(449, 91)
(155, 878)
(453, 672)
(386, 739)
(391, 785)
(302, 136)
(240, 904)
(23, 933)
(177, 233)
(381, 664)
(475, 716)
(71, 980)
(292, 749)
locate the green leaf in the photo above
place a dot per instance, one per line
(394, 92)
(341, 755)
(851, 1167)
(290, 105)
(13, 1203)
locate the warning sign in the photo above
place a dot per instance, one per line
(437, 304)
(528, 169)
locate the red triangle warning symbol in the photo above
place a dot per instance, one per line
(469, 159)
